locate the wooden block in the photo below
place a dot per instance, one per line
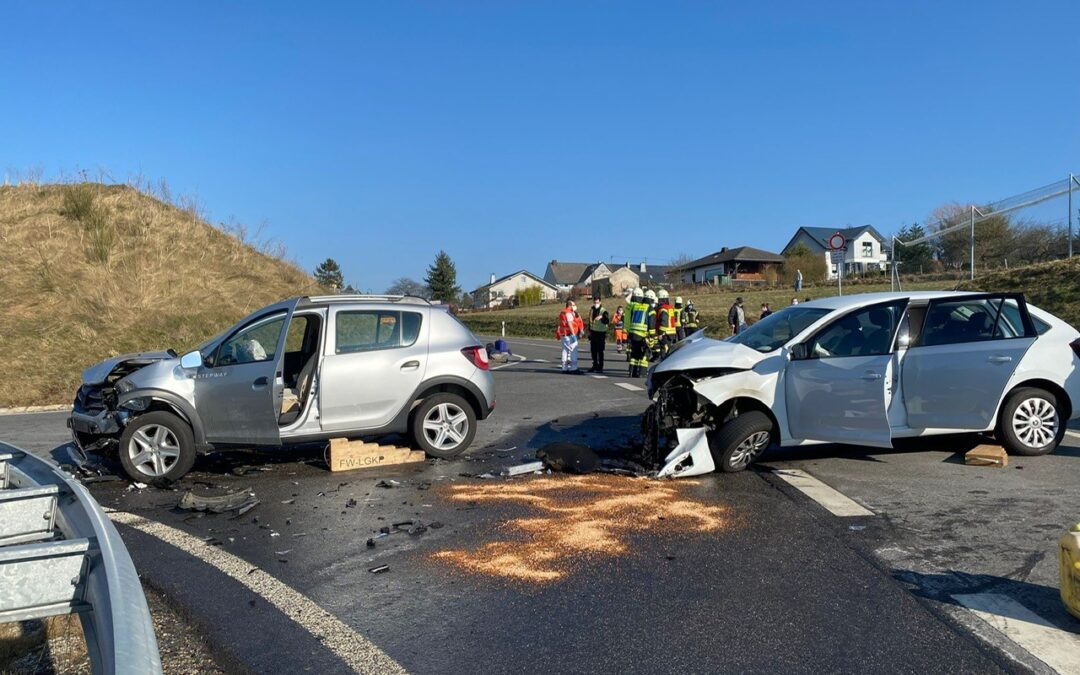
(987, 455)
(346, 455)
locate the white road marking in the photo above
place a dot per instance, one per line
(629, 387)
(351, 647)
(520, 359)
(599, 377)
(835, 502)
(1057, 648)
(539, 360)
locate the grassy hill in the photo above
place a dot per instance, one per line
(1053, 286)
(89, 270)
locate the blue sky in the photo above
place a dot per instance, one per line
(511, 133)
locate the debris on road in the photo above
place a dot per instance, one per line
(379, 569)
(569, 457)
(346, 455)
(520, 469)
(240, 501)
(387, 484)
(987, 455)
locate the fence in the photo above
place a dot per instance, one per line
(1033, 226)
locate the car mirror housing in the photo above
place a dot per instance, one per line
(191, 360)
(798, 352)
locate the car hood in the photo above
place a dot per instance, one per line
(97, 373)
(709, 353)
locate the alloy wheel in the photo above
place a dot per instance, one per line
(749, 449)
(446, 426)
(153, 450)
(1035, 422)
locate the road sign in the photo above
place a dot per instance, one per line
(837, 241)
(838, 257)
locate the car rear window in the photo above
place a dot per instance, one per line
(363, 331)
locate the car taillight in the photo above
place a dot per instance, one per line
(1076, 346)
(478, 355)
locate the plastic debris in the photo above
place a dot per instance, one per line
(241, 501)
(520, 469)
(569, 457)
(379, 569)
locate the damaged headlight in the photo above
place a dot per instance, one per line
(136, 404)
(123, 386)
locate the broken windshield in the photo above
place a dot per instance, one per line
(776, 329)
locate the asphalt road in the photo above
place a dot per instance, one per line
(782, 585)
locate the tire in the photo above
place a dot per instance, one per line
(1030, 422)
(738, 443)
(444, 425)
(162, 441)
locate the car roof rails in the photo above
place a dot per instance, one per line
(359, 297)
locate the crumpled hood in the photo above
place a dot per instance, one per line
(710, 353)
(97, 373)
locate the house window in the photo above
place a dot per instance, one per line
(868, 249)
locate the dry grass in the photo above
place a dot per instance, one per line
(1053, 286)
(90, 270)
(576, 518)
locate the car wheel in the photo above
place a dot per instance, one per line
(738, 443)
(1030, 422)
(444, 425)
(157, 446)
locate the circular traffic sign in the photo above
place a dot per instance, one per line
(837, 241)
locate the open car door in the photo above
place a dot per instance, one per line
(238, 389)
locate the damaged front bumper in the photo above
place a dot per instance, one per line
(691, 457)
(676, 428)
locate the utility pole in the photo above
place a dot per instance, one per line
(973, 242)
(1072, 179)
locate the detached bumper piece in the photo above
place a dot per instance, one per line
(691, 457)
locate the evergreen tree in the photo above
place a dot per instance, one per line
(328, 274)
(917, 257)
(442, 279)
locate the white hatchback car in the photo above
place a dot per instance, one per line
(865, 370)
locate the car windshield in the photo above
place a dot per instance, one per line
(776, 329)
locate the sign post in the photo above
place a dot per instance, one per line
(838, 244)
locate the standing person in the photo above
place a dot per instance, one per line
(599, 321)
(638, 328)
(579, 325)
(689, 318)
(736, 317)
(618, 323)
(765, 311)
(798, 280)
(651, 342)
(665, 323)
(679, 332)
(567, 335)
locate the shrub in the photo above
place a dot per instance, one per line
(527, 297)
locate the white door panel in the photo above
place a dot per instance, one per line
(958, 386)
(840, 400)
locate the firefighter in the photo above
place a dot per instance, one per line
(665, 323)
(689, 318)
(619, 326)
(652, 344)
(638, 328)
(679, 332)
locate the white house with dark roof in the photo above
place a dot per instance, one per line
(500, 291)
(866, 250)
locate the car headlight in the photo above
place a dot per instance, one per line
(136, 404)
(123, 386)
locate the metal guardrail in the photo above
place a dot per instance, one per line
(59, 554)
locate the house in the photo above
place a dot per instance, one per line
(866, 250)
(566, 275)
(744, 262)
(500, 291)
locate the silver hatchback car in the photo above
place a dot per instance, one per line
(305, 369)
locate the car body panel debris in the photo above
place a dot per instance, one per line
(691, 457)
(241, 501)
(530, 467)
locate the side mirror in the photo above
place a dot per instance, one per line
(903, 341)
(191, 360)
(798, 352)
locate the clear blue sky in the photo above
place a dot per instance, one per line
(510, 133)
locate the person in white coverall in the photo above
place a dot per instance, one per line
(567, 334)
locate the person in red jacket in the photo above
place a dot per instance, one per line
(570, 326)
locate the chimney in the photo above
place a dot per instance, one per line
(641, 268)
(723, 249)
(492, 278)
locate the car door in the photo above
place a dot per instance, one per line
(966, 353)
(238, 389)
(374, 362)
(839, 381)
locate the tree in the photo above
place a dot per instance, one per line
(328, 274)
(442, 279)
(407, 286)
(528, 296)
(800, 258)
(992, 238)
(916, 258)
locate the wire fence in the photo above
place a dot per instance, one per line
(962, 240)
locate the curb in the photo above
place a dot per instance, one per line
(20, 410)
